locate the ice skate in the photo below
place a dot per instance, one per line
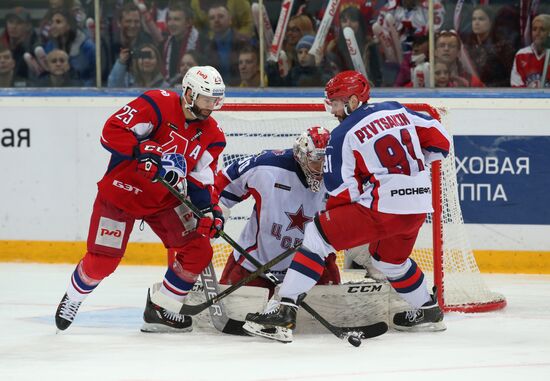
(276, 323)
(66, 312)
(428, 318)
(160, 320)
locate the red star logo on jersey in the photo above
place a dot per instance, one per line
(298, 220)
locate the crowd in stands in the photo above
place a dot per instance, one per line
(152, 43)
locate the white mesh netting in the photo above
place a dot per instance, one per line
(270, 126)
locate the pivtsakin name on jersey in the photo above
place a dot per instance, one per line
(378, 125)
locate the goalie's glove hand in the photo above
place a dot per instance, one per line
(212, 222)
(148, 155)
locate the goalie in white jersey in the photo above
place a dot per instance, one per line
(288, 191)
(378, 177)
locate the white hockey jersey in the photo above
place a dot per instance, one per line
(284, 204)
(378, 157)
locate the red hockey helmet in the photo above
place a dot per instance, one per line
(348, 83)
(309, 151)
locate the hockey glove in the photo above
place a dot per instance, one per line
(212, 222)
(174, 170)
(148, 155)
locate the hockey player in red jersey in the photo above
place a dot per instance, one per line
(377, 175)
(160, 133)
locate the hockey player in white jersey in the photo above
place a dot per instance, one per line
(288, 191)
(377, 174)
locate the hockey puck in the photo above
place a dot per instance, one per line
(354, 340)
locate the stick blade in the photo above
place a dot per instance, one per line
(371, 330)
(234, 327)
(191, 310)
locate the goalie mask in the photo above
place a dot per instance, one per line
(309, 151)
(207, 91)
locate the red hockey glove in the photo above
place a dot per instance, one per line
(148, 154)
(212, 222)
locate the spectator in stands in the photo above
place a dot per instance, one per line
(491, 55)
(529, 61)
(351, 17)
(146, 69)
(74, 7)
(8, 76)
(59, 72)
(442, 76)
(65, 35)
(418, 55)
(223, 48)
(447, 49)
(190, 58)
(239, 10)
(130, 33)
(183, 36)
(305, 73)
(19, 36)
(298, 26)
(249, 67)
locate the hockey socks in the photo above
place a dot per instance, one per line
(174, 287)
(407, 279)
(304, 272)
(81, 285)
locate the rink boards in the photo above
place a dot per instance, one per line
(52, 145)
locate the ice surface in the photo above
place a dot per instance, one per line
(104, 343)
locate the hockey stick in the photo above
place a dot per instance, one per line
(352, 334)
(191, 310)
(220, 320)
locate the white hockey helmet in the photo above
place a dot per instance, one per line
(205, 81)
(309, 151)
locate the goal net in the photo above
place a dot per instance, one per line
(442, 249)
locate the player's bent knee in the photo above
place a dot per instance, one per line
(99, 266)
(315, 241)
(194, 258)
(392, 270)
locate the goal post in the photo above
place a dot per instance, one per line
(442, 247)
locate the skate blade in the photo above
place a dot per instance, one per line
(425, 327)
(161, 328)
(280, 334)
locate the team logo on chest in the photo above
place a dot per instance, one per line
(298, 220)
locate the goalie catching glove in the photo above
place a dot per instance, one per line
(148, 155)
(211, 223)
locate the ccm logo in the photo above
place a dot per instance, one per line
(115, 233)
(364, 288)
(204, 76)
(126, 187)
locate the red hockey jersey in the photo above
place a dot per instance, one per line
(158, 115)
(528, 67)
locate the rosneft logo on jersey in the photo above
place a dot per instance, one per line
(409, 191)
